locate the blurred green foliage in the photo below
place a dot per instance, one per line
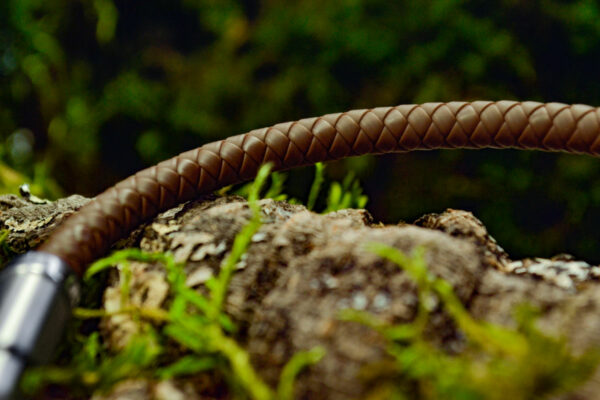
(91, 91)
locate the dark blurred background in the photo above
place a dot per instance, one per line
(91, 91)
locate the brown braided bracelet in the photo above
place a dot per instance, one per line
(527, 125)
(38, 290)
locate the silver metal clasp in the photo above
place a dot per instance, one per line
(37, 293)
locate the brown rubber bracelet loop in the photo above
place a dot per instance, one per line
(504, 124)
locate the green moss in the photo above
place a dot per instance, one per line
(6, 252)
(197, 323)
(497, 362)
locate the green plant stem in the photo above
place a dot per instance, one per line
(240, 364)
(315, 188)
(299, 361)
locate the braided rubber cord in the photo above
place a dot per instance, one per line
(504, 124)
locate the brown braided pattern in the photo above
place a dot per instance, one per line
(527, 125)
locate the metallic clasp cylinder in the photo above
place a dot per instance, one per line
(37, 293)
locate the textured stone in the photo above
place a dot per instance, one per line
(303, 268)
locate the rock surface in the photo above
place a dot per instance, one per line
(303, 268)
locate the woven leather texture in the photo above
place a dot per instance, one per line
(90, 232)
